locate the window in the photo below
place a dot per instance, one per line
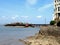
(59, 4)
(55, 0)
(55, 9)
(58, 0)
(58, 14)
(58, 8)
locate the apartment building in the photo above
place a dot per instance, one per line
(56, 10)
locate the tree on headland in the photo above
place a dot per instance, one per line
(52, 22)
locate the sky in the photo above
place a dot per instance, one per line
(26, 11)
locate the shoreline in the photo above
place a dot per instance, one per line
(48, 35)
(19, 26)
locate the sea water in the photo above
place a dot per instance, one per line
(11, 35)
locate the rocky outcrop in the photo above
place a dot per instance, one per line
(50, 31)
(48, 35)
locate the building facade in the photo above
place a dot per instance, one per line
(56, 10)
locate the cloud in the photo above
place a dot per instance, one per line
(3, 16)
(39, 16)
(24, 16)
(31, 2)
(14, 17)
(9, 17)
(45, 7)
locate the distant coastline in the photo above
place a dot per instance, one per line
(20, 25)
(25, 25)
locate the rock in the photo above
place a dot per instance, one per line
(48, 35)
